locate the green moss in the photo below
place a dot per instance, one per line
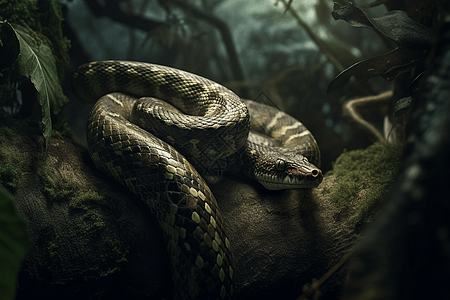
(9, 176)
(11, 162)
(109, 272)
(89, 201)
(5, 132)
(52, 249)
(62, 129)
(363, 177)
(61, 190)
(119, 252)
(66, 190)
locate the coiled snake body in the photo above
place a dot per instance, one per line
(205, 122)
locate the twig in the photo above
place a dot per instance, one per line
(323, 47)
(288, 5)
(316, 285)
(351, 107)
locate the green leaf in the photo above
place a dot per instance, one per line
(14, 243)
(36, 61)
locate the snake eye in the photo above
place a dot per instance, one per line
(280, 165)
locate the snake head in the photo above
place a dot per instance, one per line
(277, 171)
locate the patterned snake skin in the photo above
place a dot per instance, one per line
(207, 124)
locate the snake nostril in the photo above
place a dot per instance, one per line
(315, 172)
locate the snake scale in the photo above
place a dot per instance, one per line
(206, 123)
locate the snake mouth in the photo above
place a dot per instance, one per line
(300, 181)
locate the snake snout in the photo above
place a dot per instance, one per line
(315, 176)
(312, 176)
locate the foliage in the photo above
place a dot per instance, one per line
(35, 61)
(27, 53)
(14, 242)
(43, 20)
(412, 37)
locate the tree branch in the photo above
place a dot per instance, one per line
(224, 31)
(112, 10)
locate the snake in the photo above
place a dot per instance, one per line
(153, 127)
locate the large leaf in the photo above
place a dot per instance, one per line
(14, 243)
(36, 62)
(395, 25)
